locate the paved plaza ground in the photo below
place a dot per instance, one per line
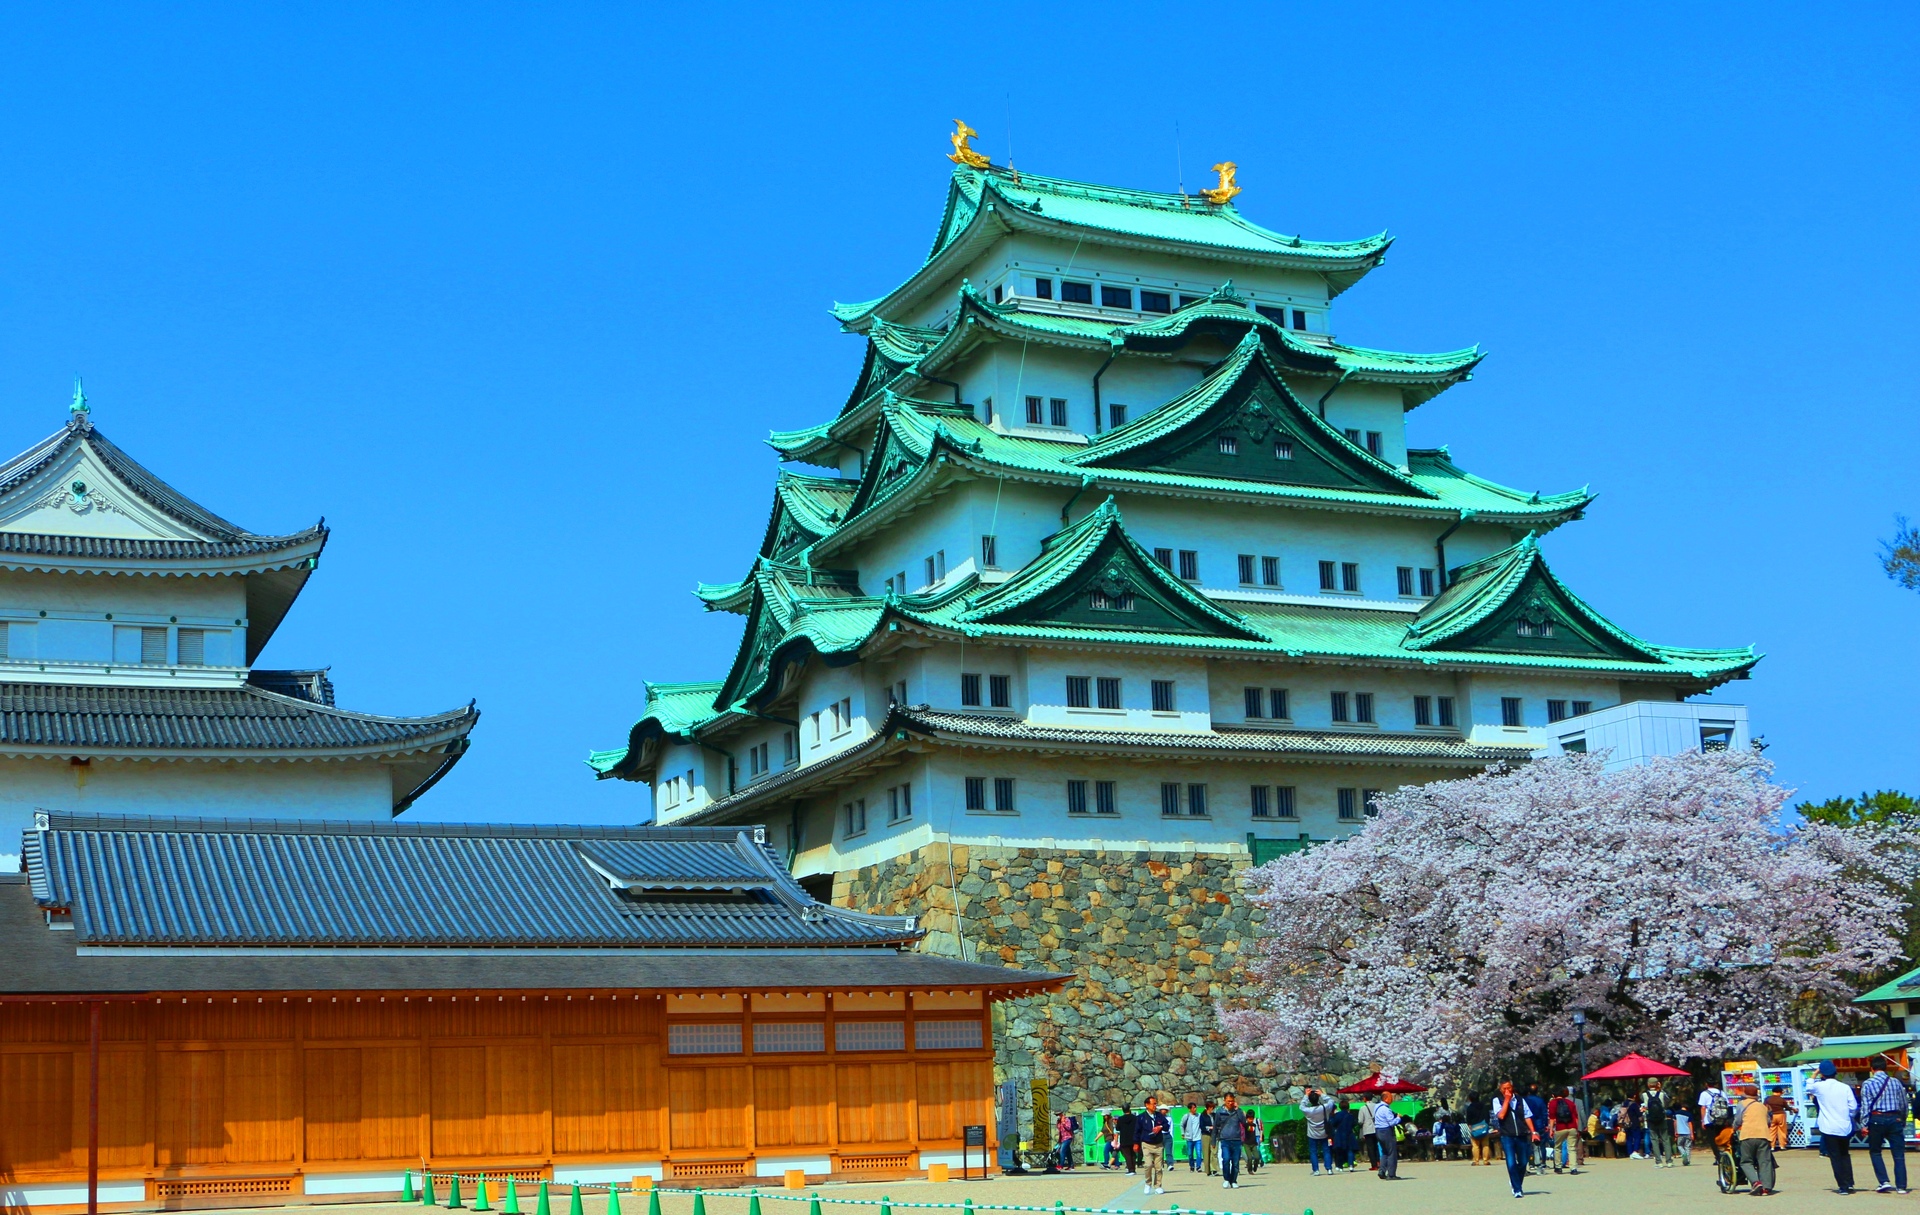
(1607, 1187)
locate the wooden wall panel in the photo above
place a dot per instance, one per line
(38, 1092)
(368, 1018)
(222, 1020)
(853, 1086)
(262, 1104)
(772, 1114)
(579, 1099)
(892, 1090)
(517, 1100)
(390, 1103)
(972, 1094)
(459, 1086)
(625, 1018)
(28, 1023)
(708, 1106)
(633, 1082)
(469, 1018)
(333, 1104)
(933, 1090)
(123, 1107)
(790, 1105)
(190, 1108)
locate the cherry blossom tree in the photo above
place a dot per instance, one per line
(1462, 927)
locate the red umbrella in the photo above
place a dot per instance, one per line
(1377, 1083)
(1633, 1067)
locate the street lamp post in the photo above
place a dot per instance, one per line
(1580, 1026)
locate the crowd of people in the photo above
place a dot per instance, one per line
(1530, 1131)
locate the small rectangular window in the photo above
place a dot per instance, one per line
(1374, 442)
(1036, 411)
(193, 647)
(1574, 746)
(1423, 710)
(1188, 299)
(1163, 696)
(1190, 565)
(1329, 576)
(1363, 707)
(1196, 801)
(1283, 449)
(1156, 301)
(989, 553)
(1107, 692)
(1370, 802)
(986, 411)
(1105, 800)
(1426, 583)
(1283, 802)
(1169, 799)
(790, 747)
(789, 1037)
(1262, 802)
(153, 647)
(856, 817)
(3, 639)
(999, 692)
(932, 576)
(1556, 710)
(1057, 411)
(1116, 297)
(1277, 315)
(1339, 704)
(1163, 557)
(1043, 288)
(1277, 704)
(869, 1035)
(1076, 797)
(1509, 710)
(704, 1038)
(970, 691)
(1256, 702)
(1404, 575)
(1445, 706)
(996, 293)
(1348, 802)
(1229, 445)
(1246, 569)
(1079, 692)
(948, 1035)
(906, 801)
(1075, 293)
(1582, 707)
(976, 793)
(1299, 318)
(1270, 571)
(1116, 416)
(815, 719)
(1349, 576)
(1003, 794)
(1353, 435)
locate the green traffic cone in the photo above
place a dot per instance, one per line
(480, 1195)
(573, 1204)
(541, 1205)
(512, 1205)
(813, 1208)
(613, 1200)
(967, 1205)
(406, 1187)
(426, 1191)
(886, 1205)
(753, 1203)
(453, 1193)
(699, 1202)
(653, 1200)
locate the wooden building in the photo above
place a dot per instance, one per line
(301, 1011)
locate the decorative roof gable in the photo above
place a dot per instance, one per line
(1243, 423)
(1511, 603)
(1094, 574)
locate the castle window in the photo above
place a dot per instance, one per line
(1348, 801)
(1116, 416)
(1283, 450)
(970, 691)
(1370, 802)
(869, 1035)
(1229, 445)
(1003, 794)
(193, 647)
(1163, 696)
(1374, 441)
(1196, 801)
(1423, 710)
(1116, 297)
(996, 293)
(1542, 627)
(1076, 797)
(1079, 692)
(1299, 318)
(790, 748)
(1189, 299)
(1104, 799)
(1582, 707)
(1339, 706)
(1428, 578)
(1043, 288)
(1445, 706)
(1156, 301)
(1277, 315)
(1353, 435)
(153, 647)
(789, 1037)
(3, 639)
(1256, 699)
(999, 692)
(704, 1038)
(1036, 411)
(1169, 799)
(976, 793)
(1100, 601)
(1277, 704)
(899, 803)
(1363, 707)
(989, 553)
(1246, 569)
(1262, 802)
(1556, 710)
(1405, 576)
(1274, 802)
(947, 1035)
(856, 812)
(986, 410)
(1270, 571)
(1329, 576)
(1350, 577)
(1107, 692)
(1057, 411)
(1510, 710)
(1076, 293)
(1163, 557)
(1190, 565)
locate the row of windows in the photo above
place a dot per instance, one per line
(1254, 569)
(838, 720)
(1229, 445)
(1372, 440)
(676, 789)
(999, 691)
(1071, 291)
(1054, 412)
(146, 645)
(810, 1037)
(1177, 799)
(1103, 692)
(899, 810)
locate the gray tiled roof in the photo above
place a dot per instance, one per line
(217, 883)
(65, 718)
(111, 548)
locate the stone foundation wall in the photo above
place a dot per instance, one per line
(1152, 939)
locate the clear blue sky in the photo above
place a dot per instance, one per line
(512, 295)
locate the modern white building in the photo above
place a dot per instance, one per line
(1639, 730)
(130, 621)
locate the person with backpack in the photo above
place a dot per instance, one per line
(1837, 1106)
(1653, 1108)
(1256, 1139)
(1884, 1102)
(1564, 1118)
(1319, 1117)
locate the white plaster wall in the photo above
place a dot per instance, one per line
(1365, 407)
(1481, 693)
(1048, 671)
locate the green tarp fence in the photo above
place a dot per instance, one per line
(1093, 1125)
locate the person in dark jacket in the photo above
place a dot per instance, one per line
(1343, 1134)
(1130, 1139)
(1209, 1137)
(1542, 1127)
(1516, 1134)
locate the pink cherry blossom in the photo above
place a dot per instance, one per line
(1459, 930)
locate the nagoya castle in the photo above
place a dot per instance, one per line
(1113, 575)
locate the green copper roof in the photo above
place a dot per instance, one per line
(673, 710)
(807, 439)
(1906, 987)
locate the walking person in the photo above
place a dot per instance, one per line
(1753, 1142)
(1636, 1130)
(1516, 1134)
(1343, 1136)
(1190, 1136)
(1564, 1119)
(1883, 1103)
(1130, 1139)
(1208, 1137)
(1369, 1140)
(1110, 1142)
(1386, 1133)
(1155, 1130)
(1836, 1106)
(1255, 1138)
(1479, 1133)
(1230, 1129)
(1653, 1108)
(1319, 1117)
(1542, 1127)
(1683, 1135)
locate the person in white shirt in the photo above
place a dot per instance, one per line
(1838, 1111)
